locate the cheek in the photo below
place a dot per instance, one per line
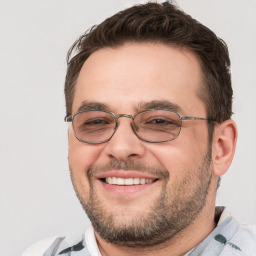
(182, 154)
(81, 155)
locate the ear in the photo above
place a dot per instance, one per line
(223, 146)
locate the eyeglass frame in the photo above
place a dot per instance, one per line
(70, 118)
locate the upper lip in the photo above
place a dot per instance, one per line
(125, 174)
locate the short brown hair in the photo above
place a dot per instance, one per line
(160, 23)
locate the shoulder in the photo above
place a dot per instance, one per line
(84, 244)
(57, 246)
(241, 237)
(40, 247)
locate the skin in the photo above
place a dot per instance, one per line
(123, 78)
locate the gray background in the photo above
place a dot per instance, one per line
(36, 195)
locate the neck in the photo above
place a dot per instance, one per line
(180, 244)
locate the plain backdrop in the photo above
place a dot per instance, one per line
(36, 195)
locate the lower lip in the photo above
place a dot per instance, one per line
(121, 189)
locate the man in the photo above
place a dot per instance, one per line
(149, 96)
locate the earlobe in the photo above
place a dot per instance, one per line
(224, 144)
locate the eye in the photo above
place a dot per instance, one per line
(162, 121)
(94, 125)
(97, 121)
(158, 121)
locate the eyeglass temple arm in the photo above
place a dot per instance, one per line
(68, 119)
(193, 118)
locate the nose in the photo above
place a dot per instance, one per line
(125, 144)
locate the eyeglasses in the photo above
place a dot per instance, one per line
(153, 125)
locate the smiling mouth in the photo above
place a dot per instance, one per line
(127, 181)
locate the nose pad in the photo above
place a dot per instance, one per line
(135, 127)
(124, 143)
(118, 124)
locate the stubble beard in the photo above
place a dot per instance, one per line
(169, 215)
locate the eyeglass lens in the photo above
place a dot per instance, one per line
(150, 125)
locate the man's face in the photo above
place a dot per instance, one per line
(126, 80)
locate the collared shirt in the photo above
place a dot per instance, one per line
(228, 238)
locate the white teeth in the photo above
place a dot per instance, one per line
(120, 181)
(114, 180)
(142, 181)
(136, 181)
(128, 181)
(109, 180)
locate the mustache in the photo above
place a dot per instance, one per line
(129, 165)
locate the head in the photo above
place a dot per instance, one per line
(160, 23)
(150, 56)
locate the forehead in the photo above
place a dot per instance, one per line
(124, 77)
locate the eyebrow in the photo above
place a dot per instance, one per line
(91, 105)
(155, 104)
(158, 104)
